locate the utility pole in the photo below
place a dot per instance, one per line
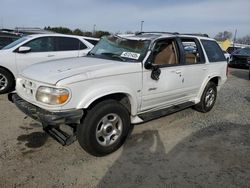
(142, 25)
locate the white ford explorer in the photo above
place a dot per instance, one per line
(124, 80)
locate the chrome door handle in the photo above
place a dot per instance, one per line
(204, 68)
(50, 55)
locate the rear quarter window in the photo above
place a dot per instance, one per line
(94, 42)
(213, 51)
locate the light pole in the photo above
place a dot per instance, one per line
(142, 25)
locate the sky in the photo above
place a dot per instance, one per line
(183, 16)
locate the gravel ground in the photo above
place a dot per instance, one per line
(185, 149)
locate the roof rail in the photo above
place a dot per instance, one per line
(172, 33)
(156, 32)
(196, 34)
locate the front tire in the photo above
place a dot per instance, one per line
(104, 128)
(7, 81)
(208, 98)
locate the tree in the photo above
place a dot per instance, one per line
(99, 34)
(244, 40)
(221, 36)
(65, 30)
(77, 32)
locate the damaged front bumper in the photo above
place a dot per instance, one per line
(45, 116)
(51, 121)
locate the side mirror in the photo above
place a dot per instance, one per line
(24, 49)
(156, 71)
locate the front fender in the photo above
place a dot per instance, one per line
(95, 94)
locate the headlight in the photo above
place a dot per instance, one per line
(52, 96)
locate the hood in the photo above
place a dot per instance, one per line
(52, 72)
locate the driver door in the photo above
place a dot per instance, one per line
(167, 90)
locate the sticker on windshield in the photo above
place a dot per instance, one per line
(130, 55)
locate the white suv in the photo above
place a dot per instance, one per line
(33, 49)
(125, 79)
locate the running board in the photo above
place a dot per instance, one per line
(60, 136)
(163, 112)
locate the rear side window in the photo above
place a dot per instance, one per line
(213, 50)
(192, 51)
(69, 44)
(94, 42)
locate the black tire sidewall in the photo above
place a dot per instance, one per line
(11, 81)
(209, 85)
(86, 132)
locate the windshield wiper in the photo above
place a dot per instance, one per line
(113, 55)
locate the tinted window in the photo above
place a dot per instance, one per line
(213, 50)
(94, 42)
(69, 44)
(43, 44)
(244, 51)
(11, 45)
(6, 40)
(82, 46)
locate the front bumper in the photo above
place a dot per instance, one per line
(44, 116)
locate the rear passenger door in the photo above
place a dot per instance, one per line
(194, 69)
(67, 47)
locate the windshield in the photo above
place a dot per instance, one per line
(115, 47)
(11, 45)
(244, 51)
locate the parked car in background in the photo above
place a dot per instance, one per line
(7, 37)
(227, 55)
(38, 48)
(231, 49)
(239, 58)
(5, 40)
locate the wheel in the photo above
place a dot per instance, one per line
(7, 82)
(104, 128)
(208, 98)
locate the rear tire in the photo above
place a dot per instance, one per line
(7, 81)
(208, 98)
(104, 128)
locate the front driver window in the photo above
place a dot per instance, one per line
(43, 44)
(165, 53)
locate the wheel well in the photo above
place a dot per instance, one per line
(8, 71)
(215, 80)
(120, 97)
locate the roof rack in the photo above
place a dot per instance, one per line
(156, 32)
(172, 33)
(196, 34)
